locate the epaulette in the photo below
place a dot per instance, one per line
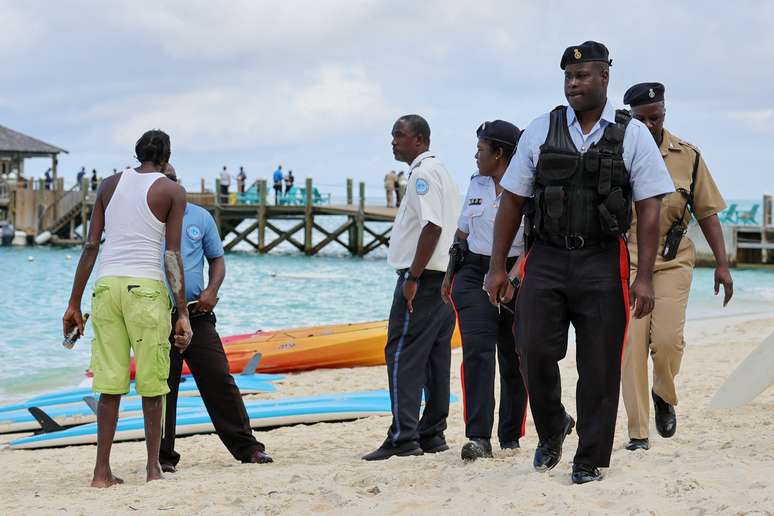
(689, 145)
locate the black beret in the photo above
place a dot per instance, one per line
(644, 93)
(584, 53)
(499, 131)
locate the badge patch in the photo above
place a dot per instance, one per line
(651, 93)
(422, 187)
(577, 54)
(474, 202)
(193, 232)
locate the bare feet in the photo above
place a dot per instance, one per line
(154, 472)
(107, 479)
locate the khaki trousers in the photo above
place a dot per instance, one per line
(659, 334)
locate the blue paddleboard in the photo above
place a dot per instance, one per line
(246, 384)
(262, 413)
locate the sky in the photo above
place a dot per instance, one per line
(316, 85)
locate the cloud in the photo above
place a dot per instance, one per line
(202, 29)
(755, 119)
(224, 117)
(19, 28)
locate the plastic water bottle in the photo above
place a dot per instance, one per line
(73, 336)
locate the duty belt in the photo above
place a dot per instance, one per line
(482, 260)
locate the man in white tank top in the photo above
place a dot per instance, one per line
(136, 209)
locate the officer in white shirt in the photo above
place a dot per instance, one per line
(418, 350)
(486, 330)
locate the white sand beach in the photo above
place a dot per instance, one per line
(718, 462)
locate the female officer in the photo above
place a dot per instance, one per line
(485, 327)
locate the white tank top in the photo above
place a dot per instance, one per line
(133, 234)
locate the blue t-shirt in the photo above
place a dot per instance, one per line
(278, 176)
(200, 240)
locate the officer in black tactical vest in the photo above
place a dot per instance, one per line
(575, 174)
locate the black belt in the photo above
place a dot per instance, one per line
(574, 242)
(191, 315)
(482, 260)
(426, 273)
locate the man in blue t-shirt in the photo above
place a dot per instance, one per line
(205, 356)
(277, 178)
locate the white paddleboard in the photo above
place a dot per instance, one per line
(750, 378)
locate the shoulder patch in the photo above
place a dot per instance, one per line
(194, 232)
(422, 186)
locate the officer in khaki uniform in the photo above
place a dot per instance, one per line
(660, 334)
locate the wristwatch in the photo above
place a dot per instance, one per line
(515, 281)
(408, 277)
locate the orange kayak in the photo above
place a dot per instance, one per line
(314, 347)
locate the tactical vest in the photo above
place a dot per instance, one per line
(581, 199)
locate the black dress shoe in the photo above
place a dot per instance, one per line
(434, 444)
(582, 474)
(638, 444)
(510, 445)
(666, 419)
(549, 452)
(258, 457)
(476, 448)
(388, 449)
(168, 468)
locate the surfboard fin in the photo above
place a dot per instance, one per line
(252, 366)
(46, 423)
(91, 402)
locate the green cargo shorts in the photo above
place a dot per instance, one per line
(130, 314)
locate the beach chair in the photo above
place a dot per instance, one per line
(250, 196)
(293, 197)
(318, 198)
(729, 215)
(748, 217)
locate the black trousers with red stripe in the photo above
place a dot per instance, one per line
(587, 288)
(485, 332)
(418, 354)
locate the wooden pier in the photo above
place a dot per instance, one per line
(310, 223)
(68, 211)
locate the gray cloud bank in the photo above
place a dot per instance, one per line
(316, 85)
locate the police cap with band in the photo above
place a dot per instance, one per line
(585, 52)
(644, 93)
(499, 131)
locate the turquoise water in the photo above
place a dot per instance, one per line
(260, 292)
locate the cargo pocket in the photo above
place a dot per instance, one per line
(94, 362)
(147, 307)
(100, 297)
(162, 361)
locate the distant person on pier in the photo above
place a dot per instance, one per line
(277, 179)
(141, 213)
(659, 335)
(390, 182)
(401, 188)
(418, 350)
(205, 356)
(241, 179)
(94, 180)
(289, 180)
(80, 176)
(225, 182)
(49, 179)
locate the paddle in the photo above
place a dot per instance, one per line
(753, 376)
